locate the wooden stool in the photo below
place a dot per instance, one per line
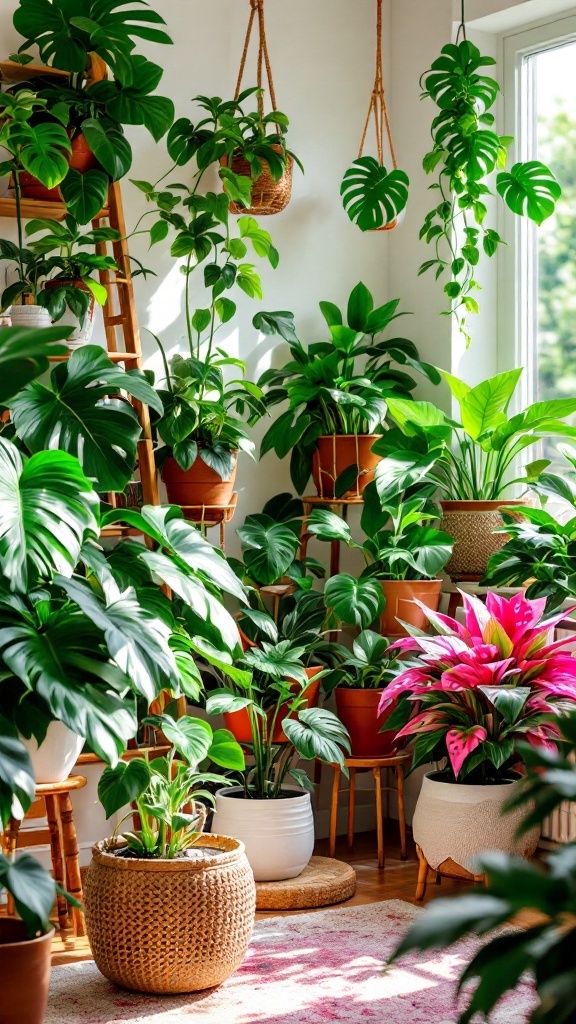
(63, 847)
(376, 764)
(447, 869)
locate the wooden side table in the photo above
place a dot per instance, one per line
(375, 765)
(63, 847)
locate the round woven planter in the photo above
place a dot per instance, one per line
(472, 525)
(401, 597)
(25, 973)
(170, 925)
(456, 822)
(268, 196)
(336, 452)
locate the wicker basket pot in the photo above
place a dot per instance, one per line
(472, 525)
(170, 925)
(278, 833)
(456, 822)
(268, 196)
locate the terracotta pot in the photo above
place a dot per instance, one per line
(456, 822)
(82, 332)
(471, 524)
(25, 973)
(335, 453)
(80, 159)
(358, 710)
(238, 722)
(164, 926)
(400, 604)
(198, 486)
(268, 196)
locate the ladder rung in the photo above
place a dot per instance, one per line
(115, 321)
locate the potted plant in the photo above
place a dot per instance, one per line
(92, 108)
(208, 889)
(479, 689)
(271, 542)
(403, 553)
(542, 949)
(337, 393)
(358, 683)
(538, 554)
(255, 163)
(472, 460)
(273, 818)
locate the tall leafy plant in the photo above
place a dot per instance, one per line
(466, 151)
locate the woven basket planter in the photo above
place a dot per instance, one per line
(166, 926)
(268, 196)
(472, 525)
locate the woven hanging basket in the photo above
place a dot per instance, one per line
(268, 195)
(166, 926)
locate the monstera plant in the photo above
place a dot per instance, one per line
(466, 151)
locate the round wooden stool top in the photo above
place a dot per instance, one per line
(385, 761)
(52, 788)
(323, 882)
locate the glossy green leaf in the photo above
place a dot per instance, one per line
(529, 189)
(373, 196)
(358, 602)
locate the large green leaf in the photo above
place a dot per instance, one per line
(191, 737)
(46, 512)
(119, 786)
(33, 889)
(327, 526)
(269, 547)
(477, 153)
(111, 148)
(16, 773)
(317, 733)
(483, 408)
(373, 196)
(75, 413)
(132, 103)
(24, 355)
(356, 602)
(529, 189)
(136, 639)
(43, 151)
(430, 549)
(85, 194)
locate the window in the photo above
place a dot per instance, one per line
(541, 76)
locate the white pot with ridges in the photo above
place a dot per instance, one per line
(29, 316)
(278, 834)
(56, 756)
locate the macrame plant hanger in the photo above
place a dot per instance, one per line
(374, 197)
(268, 196)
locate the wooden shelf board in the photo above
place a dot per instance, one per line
(128, 755)
(12, 72)
(116, 357)
(121, 531)
(33, 208)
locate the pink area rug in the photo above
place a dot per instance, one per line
(313, 968)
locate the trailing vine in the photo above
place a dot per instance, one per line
(467, 151)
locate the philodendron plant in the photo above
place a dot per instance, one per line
(271, 542)
(169, 792)
(467, 150)
(475, 457)
(340, 386)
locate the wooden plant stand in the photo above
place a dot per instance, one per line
(447, 869)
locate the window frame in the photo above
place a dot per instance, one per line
(518, 261)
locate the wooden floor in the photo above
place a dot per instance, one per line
(397, 881)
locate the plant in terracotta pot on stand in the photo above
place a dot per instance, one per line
(208, 901)
(337, 394)
(478, 690)
(271, 811)
(403, 553)
(473, 460)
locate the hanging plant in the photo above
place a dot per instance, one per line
(372, 195)
(467, 151)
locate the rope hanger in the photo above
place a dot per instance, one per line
(263, 61)
(377, 106)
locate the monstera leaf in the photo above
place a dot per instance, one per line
(269, 547)
(76, 413)
(24, 355)
(42, 151)
(373, 196)
(529, 189)
(46, 512)
(356, 602)
(85, 194)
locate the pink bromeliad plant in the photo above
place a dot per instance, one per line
(481, 687)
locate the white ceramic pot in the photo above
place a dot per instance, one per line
(30, 316)
(278, 834)
(54, 759)
(455, 821)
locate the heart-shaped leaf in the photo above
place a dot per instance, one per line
(529, 189)
(85, 194)
(373, 196)
(356, 602)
